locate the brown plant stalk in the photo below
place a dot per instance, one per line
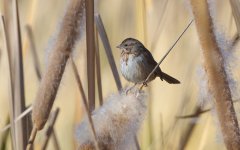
(11, 101)
(108, 50)
(90, 53)
(50, 130)
(218, 84)
(21, 130)
(84, 99)
(98, 69)
(31, 41)
(65, 42)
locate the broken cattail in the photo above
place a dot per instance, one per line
(116, 122)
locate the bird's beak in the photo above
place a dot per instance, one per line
(119, 46)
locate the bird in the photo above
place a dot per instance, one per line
(137, 62)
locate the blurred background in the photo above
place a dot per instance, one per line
(157, 23)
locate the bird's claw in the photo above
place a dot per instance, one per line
(144, 84)
(129, 89)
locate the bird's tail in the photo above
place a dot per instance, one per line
(168, 78)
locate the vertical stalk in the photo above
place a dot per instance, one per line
(90, 53)
(108, 50)
(98, 69)
(216, 74)
(90, 120)
(36, 61)
(11, 101)
(19, 96)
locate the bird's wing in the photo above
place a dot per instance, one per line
(148, 56)
(152, 62)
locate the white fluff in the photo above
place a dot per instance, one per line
(116, 122)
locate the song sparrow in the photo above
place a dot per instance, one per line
(137, 63)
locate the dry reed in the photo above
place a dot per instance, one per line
(108, 50)
(98, 69)
(90, 53)
(217, 81)
(21, 130)
(11, 101)
(84, 99)
(31, 40)
(50, 130)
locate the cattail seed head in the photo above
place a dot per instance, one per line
(116, 122)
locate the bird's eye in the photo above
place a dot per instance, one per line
(125, 45)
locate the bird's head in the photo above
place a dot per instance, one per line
(131, 46)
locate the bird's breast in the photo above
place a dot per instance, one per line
(134, 68)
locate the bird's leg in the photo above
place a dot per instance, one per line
(129, 89)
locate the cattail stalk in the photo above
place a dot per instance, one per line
(11, 101)
(108, 50)
(90, 53)
(31, 40)
(217, 79)
(21, 130)
(50, 129)
(65, 42)
(98, 69)
(91, 125)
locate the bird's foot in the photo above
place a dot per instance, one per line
(129, 89)
(145, 84)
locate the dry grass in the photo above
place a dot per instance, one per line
(174, 119)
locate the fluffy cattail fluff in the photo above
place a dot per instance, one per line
(204, 95)
(79, 29)
(116, 122)
(231, 64)
(62, 47)
(230, 57)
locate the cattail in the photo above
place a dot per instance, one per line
(227, 47)
(217, 80)
(65, 42)
(116, 122)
